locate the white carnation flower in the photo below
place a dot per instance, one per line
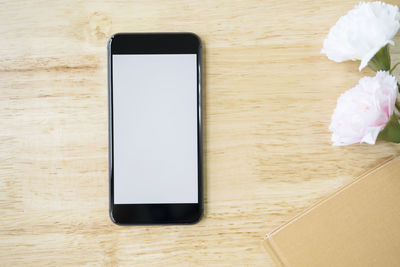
(362, 32)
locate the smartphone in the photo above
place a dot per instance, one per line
(155, 128)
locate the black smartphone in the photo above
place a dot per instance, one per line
(155, 128)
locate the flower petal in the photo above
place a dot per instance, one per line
(371, 53)
(371, 135)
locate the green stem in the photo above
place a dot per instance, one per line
(394, 67)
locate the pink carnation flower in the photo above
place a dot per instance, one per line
(363, 111)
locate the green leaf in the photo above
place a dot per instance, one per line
(391, 132)
(381, 60)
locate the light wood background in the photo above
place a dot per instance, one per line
(268, 96)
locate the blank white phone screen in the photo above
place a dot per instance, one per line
(155, 128)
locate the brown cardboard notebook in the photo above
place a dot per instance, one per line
(359, 225)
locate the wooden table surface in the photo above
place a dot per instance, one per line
(268, 96)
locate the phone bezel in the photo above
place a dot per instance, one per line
(155, 43)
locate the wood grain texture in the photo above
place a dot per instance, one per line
(268, 96)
